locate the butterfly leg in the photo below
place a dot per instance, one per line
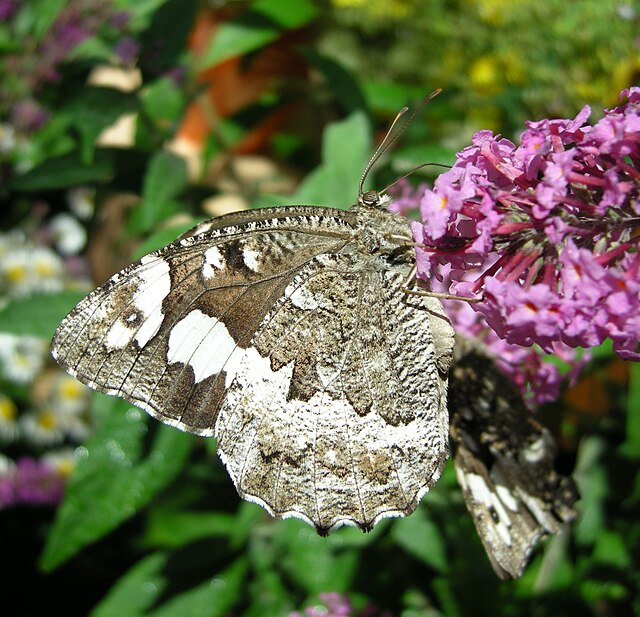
(412, 280)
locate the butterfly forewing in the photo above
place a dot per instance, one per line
(160, 332)
(286, 333)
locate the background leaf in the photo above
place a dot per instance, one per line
(346, 146)
(255, 27)
(165, 179)
(114, 479)
(213, 598)
(136, 591)
(422, 538)
(38, 315)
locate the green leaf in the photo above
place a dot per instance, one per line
(611, 550)
(136, 590)
(169, 528)
(213, 598)
(346, 146)
(632, 443)
(255, 27)
(139, 12)
(390, 97)
(166, 177)
(163, 101)
(42, 13)
(286, 14)
(114, 480)
(316, 564)
(38, 315)
(405, 159)
(341, 82)
(246, 518)
(594, 487)
(421, 537)
(244, 34)
(95, 109)
(165, 39)
(65, 171)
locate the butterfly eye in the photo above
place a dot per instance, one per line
(371, 199)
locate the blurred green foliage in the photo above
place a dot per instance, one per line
(150, 524)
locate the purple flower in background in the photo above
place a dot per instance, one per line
(41, 54)
(30, 482)
(544, 234)
(127, 50)
(28, 115)
(336, 605)
(7, 9)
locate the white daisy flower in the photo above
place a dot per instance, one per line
(26, 268)
(7, 465)
(7, 138)
(9, 427)
(16, 274)
(42, 427)
(21, 357)
(48, 269)
(68, 234)
(69, 395)
(62, 461)
(82, 202)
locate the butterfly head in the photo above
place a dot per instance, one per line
(373, 199)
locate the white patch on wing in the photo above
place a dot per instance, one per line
(483, 494)
(154, 285)
(300, 297)
(213, 260)
(251, 258)
(327, 375)
(479, 489)
(535, 451)
(506, 497)
(119, 335)
(202, 342)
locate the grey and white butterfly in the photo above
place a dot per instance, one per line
(286, 333)
(504, 462)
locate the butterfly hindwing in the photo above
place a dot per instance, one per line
(504, 462)
(333, 416)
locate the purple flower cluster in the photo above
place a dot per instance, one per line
(39, 59)
(7, 9)
(337, 605)
(544, 233)
(31, 481)
(333, 605)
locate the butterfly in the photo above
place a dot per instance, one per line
(287, 333)
(298, 337)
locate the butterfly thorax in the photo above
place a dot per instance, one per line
(379, 231)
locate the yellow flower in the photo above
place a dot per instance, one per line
(486, 75)
(71, 388)
(378, 8)
(344, 4)
(8, 409)
(16, 273)
(8, 419)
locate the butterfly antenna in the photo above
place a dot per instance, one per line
(411, 171)
(390, 138)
